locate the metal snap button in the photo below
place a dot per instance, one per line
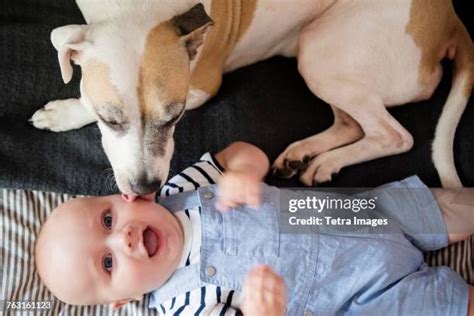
(211, 271)
(208, 195)
(308, 313)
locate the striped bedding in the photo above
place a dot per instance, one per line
(23, 212)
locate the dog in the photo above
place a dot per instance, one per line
(145, 62)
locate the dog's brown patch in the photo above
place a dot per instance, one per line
(431, 25)
(436, 30)
(247, 11)
(232, 19)
(471, 84)
(98, 86)
(164, 71)
(467, 61)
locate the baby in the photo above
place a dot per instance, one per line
(205, 251)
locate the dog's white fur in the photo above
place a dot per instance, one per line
(355, 55)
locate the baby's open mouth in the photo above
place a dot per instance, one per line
(150, 240)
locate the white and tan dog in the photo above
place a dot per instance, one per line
(145, 62)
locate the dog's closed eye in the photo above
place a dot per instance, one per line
(113, 123)
(173, 120)
(113, 117)
(176, 111)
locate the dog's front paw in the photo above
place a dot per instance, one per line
(294, 159)
(61, 116)
(320, 169)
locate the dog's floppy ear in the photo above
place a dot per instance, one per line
(69, 41)
(192, 26)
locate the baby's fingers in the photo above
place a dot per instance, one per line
(263, 277)
(226, 197)
(236, 189)
(224, 205)
(266, 286)
(253, 194)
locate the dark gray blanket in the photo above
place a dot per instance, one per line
(267, 104)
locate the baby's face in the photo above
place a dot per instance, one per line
(103, 250)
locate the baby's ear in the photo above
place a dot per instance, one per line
(125, 301)
(118, 304)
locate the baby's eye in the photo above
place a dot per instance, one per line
(107, 262)
(107, 219)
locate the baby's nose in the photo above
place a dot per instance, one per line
(130, 239)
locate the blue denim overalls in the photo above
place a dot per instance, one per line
(326, 273)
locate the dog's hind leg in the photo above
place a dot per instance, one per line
(62, 115)
(296, 156)
(383, 135)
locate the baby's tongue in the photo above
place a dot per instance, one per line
(151, 241)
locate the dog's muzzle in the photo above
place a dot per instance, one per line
(144, 186)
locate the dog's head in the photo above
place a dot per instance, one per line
(135, 79)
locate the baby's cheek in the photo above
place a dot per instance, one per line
(131, 277)
(145, 277)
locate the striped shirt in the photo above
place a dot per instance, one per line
(210, 299)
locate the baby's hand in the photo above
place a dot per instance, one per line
(264, 293)
(235, 188)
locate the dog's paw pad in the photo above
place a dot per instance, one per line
(298, 165)
(295, 164)
(289, 169)
(283, 173)
(320, 170)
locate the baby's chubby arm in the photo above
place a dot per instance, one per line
(245, 166)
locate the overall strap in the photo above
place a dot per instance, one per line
(180, 202)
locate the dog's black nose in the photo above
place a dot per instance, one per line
(144, 186)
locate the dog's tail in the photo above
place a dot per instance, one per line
(462, 84)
